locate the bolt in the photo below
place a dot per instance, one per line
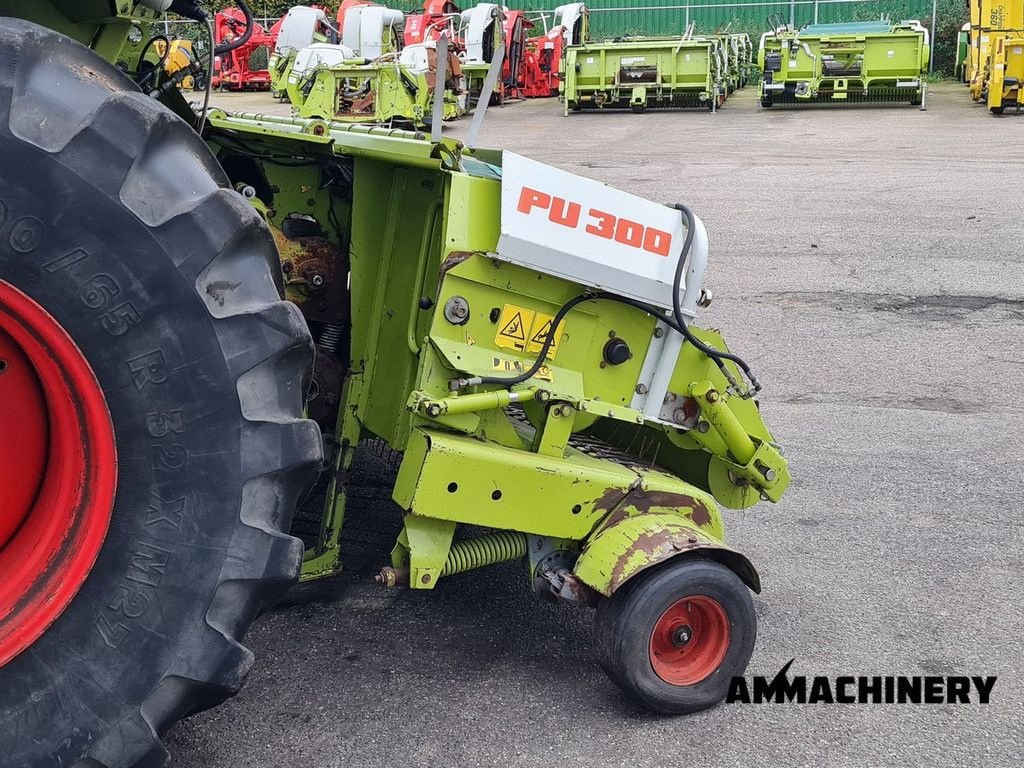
(712, 396)
(659, 332)
(705, 298)
(703, 427)
(641, 389)
(426, 302)
(769, 475)
(392, 577)
(670, 398)
(611, 334)
(425, 578)
(317, 280)
(434, 410)
(681, 636)
(679, 416)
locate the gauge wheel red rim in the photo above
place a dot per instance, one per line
(690, 640)
(58, 470)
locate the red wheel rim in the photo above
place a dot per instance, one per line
(58, 470)
(689, 640)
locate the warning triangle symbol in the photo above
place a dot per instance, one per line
(542, 335)
(514, 328)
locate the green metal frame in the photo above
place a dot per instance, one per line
(391, 92)
(864, 61)
(669, 72)
(421, 221)
(558, 469)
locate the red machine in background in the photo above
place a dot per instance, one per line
(515, 27)
(245, 68)
(543, 54)
(437, 16)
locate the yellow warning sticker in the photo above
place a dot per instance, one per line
(526, 330)
(514, 327)
(539, 334)
(515, 367)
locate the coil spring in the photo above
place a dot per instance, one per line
(330, 338)
(485, 550)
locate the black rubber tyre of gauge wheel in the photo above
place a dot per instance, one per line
(626, 622)
(204, 370)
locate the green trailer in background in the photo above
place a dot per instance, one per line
(642, 73)
(837, 63)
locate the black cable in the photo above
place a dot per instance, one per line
(717, 355)
(250, 27)
(677, 322)
(146, 77)
(236, 145)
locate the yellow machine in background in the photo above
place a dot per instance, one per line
(995, 62)
(181, 56)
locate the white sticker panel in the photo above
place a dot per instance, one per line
(587, 232)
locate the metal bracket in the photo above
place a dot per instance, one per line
(441, 75)
(490, 81)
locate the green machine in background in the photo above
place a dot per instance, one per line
(642, 73)
(329, 82)
(844, 63)
(301, 27)
(738, 53)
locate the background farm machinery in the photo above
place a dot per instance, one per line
(377, 66)
(246, 67)
(542, 60)
(646, 73)
(993, 65)
(844, 63)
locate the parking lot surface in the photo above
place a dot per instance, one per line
(868, 263)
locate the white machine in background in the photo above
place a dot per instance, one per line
(372, 30)
(478, 31)
(572, 18)
(299, 28)
(318, 55)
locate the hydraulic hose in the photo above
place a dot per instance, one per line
(238, 42)
(192, 10)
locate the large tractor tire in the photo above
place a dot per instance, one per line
(151, 389)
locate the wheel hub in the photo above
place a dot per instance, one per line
(682, 635)
(58, 470)
(690, 640)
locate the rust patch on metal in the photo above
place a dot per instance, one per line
(575, 591)
(453, 259)
(314, 268)
(610, 499)
(656, 546)
(644, 501)
(620, 502)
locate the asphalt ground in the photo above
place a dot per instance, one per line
(868, 262)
